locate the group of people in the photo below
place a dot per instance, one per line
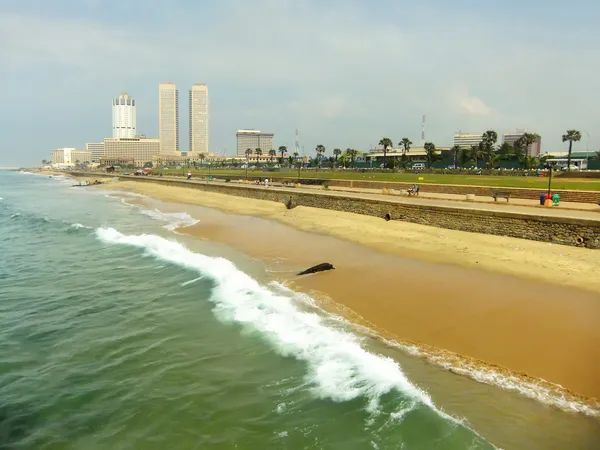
(265, 181)
(414, 190)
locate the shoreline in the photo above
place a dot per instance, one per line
(430, 347)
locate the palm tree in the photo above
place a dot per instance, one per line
(531, 162)
(495, 161)
(272, 154)
(505, 149)
(320, 150)
(405, 143)
(525, 141)
(475, 153)
(385, 143)
(352, 154)
(464, 156)
(571, 136)
(248, 153)
(430, 155)
(258, 153)
(337, 152)
(202, 156)
(44, 162)
(455, 151)
(282, 150)
(489, 139)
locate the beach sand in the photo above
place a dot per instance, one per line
(416, 284)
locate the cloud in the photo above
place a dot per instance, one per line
(344, 72)
(475, 106)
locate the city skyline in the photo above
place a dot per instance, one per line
(328, 81)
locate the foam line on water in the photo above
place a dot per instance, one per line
(176, 220)
(338, 367)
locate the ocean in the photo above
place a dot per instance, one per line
(119, 333)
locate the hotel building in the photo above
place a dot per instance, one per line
(168, 118)
(466, 140)
(253, 139)
(123, 116)
(96, 149)
(69, 156)
(199, 118)
(140, 149)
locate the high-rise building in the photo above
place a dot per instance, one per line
(199, 118)
(140, 150)
(466, 140)
(123, 116)
(253, 139)
(168, 117)
(96, 149)
(535, 149)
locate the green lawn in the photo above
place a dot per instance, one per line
(479, 180)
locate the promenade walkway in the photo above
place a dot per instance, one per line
(515, 206)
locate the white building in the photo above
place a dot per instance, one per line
(466, 140)
(168, 117)
(64, 157)
(96, 149)
(123, 116)
(253, 139)
(199, 118)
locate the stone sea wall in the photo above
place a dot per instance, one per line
(566, 231)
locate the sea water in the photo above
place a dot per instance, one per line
(119, 333)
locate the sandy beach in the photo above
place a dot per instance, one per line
(517, 312)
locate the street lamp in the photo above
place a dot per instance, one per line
(209, 171)
(550, 166)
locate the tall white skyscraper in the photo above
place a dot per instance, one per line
(199, 118)
(168, 117)
(123, 116)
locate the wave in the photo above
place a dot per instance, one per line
(176, 220)
(339, 368)
(78, 226)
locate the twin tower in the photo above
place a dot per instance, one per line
(124, 118)
(168, 118)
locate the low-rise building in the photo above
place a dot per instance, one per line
(141, 149)
(66, 157)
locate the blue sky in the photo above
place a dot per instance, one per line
(346, 73)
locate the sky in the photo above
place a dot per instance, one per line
(345, 73)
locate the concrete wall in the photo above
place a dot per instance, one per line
(523, 193)
(566, 231)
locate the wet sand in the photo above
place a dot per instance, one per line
(542, 330)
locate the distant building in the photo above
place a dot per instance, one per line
(535, 149)
(466, 140)
(96, 149)
(168, 118)
(70, 156)
(253, 139)
(123, 116)
(199, 118)
(142, 150)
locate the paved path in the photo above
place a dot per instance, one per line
(511, 207)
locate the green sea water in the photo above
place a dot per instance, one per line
(118, 333)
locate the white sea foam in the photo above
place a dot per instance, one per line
(338, 367)
(176, 220)
(78, 225)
